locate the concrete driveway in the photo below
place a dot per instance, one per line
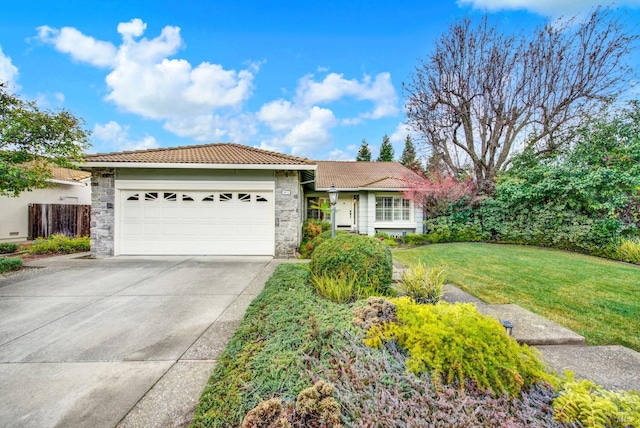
(126, 341)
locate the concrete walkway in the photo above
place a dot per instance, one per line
(121, 341)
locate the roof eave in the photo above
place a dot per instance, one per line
(195, 165)
(82, 183)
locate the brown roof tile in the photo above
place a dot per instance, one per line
(68, 174)
(362, 175)
(222, 153)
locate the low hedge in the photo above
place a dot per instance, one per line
(8, 264)
(365, 259)
(8, 247)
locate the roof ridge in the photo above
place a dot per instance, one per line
(159, 149)
(269, 152)
(205, 146)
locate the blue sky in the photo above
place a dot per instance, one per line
(306, 78)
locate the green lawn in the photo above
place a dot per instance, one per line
(597, 298)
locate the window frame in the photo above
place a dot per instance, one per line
(393, 209)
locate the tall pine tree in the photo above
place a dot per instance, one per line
(408, 158)
(386, 150)
(364, 154)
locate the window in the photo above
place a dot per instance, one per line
(168, 196)
(135, 197)
(392, 209)
(187, 198)
(208, 198)
(318, 208)
(261, 199)
(225, 197)
(151, 196)
(244, 197)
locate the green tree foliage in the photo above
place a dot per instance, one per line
(364, 154)
(583, 197)
(386, 150)
(32, 140)
(408, 157)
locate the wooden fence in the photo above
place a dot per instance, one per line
(70, 220)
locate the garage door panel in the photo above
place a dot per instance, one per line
(215, 222)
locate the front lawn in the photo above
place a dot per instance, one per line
(597, 298)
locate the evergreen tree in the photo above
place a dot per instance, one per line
(386, 150)
(408, 158)
(364, 154)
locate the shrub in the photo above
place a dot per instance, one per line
(314, 407)
(8, 264)
(415, 239)
(390, 242)
(455, 343)
(59, 243)
(337, 288)
(629, 251)
(8, 247)
(375, 390)
(421, 284)
(366, 259)
(307, 248)
(376, 311)
(312, 228)
(589, 404)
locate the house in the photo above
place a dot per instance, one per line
(230, 199)
(67, 186)
(370, 197)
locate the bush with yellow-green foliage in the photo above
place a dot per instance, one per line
(456, 344)
(629, 251)
(59, 243)
(594, 407)
(422, 284)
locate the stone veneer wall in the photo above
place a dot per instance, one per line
(102, 212)
(288, 215)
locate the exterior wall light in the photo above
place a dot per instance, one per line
(333, 200)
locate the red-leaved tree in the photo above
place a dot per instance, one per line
(435, 193)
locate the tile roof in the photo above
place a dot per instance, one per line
(363, 175)
(221, 153)
(68, 174)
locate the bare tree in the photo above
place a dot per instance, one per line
(482, 94)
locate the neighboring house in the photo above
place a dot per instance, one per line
(67, 186)
(230, 199)
(370, 198)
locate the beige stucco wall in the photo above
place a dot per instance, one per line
(14, 214)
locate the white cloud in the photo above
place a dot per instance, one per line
(334, 86)
(80, 47)
(281, 115)
(214, 128)
(312, 133)
(118, 136)
(543, 7)
(339, 155)
(8, 71)
(144, 79)
(55, 99)
(303, 124)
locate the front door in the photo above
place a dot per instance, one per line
(346, 213)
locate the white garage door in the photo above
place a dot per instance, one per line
(185, 222)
